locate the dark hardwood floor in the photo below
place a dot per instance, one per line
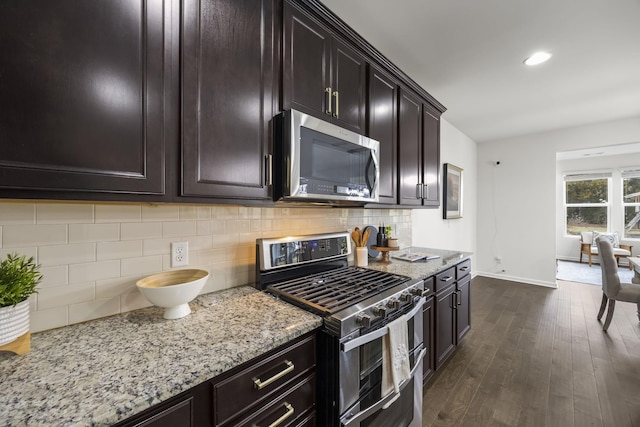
(537, 356)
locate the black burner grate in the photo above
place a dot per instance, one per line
(329, 292)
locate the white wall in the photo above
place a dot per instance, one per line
(568, 247)
(517, 200)
(429, 229)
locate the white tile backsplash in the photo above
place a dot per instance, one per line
(79, 233)
(160, 213)
(118, 213)
(92, 271)
(33, 235)
(142, 265)
(119, 250)
(64, 213)
(67, 254)
(178, 228)
(17, 213)
(92, 254)
(134, 231)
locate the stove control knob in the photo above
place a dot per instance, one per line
(414, 290)
(393, 304)
(363, 320)
(380, 311)
(405, 297)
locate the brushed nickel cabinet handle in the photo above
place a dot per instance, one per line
(465, 268)
(459, 297)
(259, 384)
(446, 278)
(327, 100)
(280, 420)
(336, 111)
(268, 169)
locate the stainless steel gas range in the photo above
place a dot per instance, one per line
(357, 304)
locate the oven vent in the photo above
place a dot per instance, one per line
(332, 326)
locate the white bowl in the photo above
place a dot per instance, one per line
(173, 290)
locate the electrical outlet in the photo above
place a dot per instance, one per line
(179, 254)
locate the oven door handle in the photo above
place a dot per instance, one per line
(378, 333)
(388, 399)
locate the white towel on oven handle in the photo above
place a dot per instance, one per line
(395, 356)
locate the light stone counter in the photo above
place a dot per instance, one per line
(421, 269)
(104, 371)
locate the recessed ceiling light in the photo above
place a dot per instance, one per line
(537, 58)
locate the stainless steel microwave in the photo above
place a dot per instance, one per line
(317, 161)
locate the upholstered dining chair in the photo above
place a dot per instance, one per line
(612, 289)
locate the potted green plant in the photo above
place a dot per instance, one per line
(19, 278)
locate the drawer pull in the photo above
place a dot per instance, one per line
(280, 420)
(260, 385)
(446, 278)
(465, 268)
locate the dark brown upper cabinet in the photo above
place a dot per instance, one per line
(322, 76)
(419, 152)
(430, 155)
(228, 97)
(383, 126)
(83, 87)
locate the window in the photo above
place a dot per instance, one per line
(631, 203)
(587, 202)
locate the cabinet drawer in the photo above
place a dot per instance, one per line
(444, 279)
(463, 269)
(429, 286)
(287, 409)
(262, 380)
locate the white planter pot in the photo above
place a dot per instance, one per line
(14, 321)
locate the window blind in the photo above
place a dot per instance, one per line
(586, 176)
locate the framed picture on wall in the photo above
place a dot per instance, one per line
(452, 206)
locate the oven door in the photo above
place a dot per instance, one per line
(361, 401)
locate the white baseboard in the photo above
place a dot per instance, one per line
(503, 276)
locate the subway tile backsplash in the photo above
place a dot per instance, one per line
(92, 254)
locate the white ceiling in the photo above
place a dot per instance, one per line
(468, 54)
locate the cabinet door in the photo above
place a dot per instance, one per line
(178, 414)
(409, 149)
(431, 155)
(348, 83)
(383, 126)
(445, 325)
(428, 319)
(463, 311)
(227, 81)
(82, 95)
(306, 59)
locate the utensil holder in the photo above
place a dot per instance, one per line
(362, 256)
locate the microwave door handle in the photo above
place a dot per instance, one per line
(378, 333)
(371, 173)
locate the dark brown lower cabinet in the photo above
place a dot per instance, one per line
(445, 324)
(452, 306)
(178, 414)
(279, 386)
(428, 316)
(463, 311)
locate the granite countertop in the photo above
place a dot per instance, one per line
(424, 268)
(103, 371)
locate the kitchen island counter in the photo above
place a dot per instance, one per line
(104, 371)
(423, 268)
